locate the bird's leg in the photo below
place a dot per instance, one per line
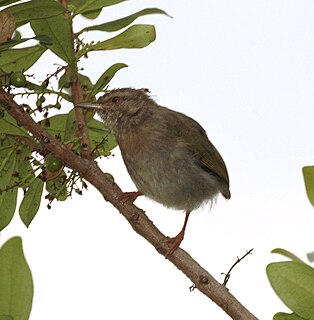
(129, 196)
(175, 242)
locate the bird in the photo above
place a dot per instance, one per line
(167, 154)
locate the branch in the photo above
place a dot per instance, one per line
(228, 274)
(90, 171)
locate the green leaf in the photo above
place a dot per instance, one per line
(7, 198)
(96, 129)
(123, 22)
(13, 60)
(293, 282)
(6, 317)
(16, 284)
(308, 175)
(100, 138)
(70, 126)
(287, 316)
(35, 9)
(11, 43)
(287, 254)
(57, 187)
(92, 5)
(9, 126)
(31, 201)
(59, 30)
(7, 207)
(7, 2)
(137, 36)
(91, 14)
(23, 166)
(105, 78)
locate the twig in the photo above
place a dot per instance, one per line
(228, 274)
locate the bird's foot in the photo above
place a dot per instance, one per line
(129, 196)
(174, 243)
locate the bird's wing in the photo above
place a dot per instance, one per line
(203, 150)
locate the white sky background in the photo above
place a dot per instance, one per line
(245, 71)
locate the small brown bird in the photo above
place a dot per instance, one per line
(167, 154)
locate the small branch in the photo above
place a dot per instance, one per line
(80, 119)
(228, 274)
(89, 170)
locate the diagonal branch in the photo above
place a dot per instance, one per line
(135, 216)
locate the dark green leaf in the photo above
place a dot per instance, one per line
(17, 35)
(137, 36)
(287, 316)
(11, 43)
(57, 187)
(105, 78)
(91, 14)
(7, 2)
(293, 282)
(96, 129)
(124, 22)
(92, 5)
(70, 126)
(24, 167)
(9, 126)
(16, 283)
(58, 29)
(287, 254)
(35, 9)
(31, 201)
(7, 207)
(308, 175)
(12, 60)
(7, 198)
(6, 317)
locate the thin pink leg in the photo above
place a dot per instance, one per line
(175, 242)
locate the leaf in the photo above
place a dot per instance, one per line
(35, 9)
(96, 129)
(9, 126)
(137, 36)
(308, 175)
(92, 5)
(287, 316)
(16, 284)
(13, 60)
(7, 198)
(70, 126)
(124, 22)
(31, 201)
(7, 2)
(58, 29)
(105, 78)
(45, 40)
(24, 167)
(293, 282)
(57, 187)
(91, 14)
(6, 317)
(7, 207)
(287, 254)
(7, 26)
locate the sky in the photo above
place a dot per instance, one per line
(245, 71)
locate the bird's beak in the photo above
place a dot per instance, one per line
(90, 105)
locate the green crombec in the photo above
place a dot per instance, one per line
(167, 154)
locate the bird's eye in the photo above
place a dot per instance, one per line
(116, 99)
